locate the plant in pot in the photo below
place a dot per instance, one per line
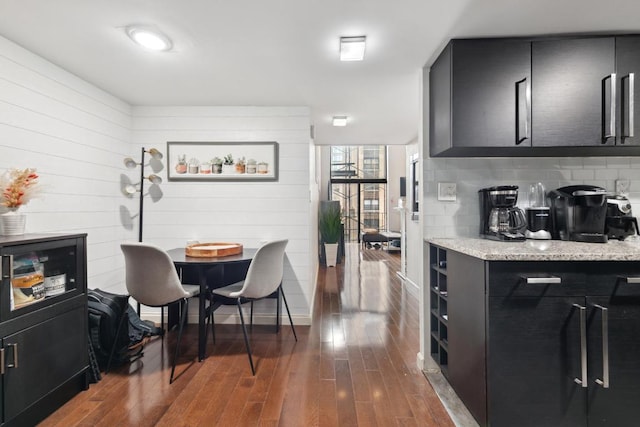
(216, 163)
(330, 224)
(228, 166)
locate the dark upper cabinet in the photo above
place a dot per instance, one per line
(572, 84)
(479, 96)
(627, 67)
(554, 96)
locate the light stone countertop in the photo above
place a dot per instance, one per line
(541, 250)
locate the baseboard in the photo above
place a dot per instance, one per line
(412, 287)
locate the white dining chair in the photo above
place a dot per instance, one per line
(152, 280)
(263, 280)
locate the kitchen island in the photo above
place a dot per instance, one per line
(538, 332)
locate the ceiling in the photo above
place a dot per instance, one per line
(285, 52)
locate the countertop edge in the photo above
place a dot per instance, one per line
(540, 250)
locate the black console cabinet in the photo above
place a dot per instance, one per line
(553, 343)
(43, 325)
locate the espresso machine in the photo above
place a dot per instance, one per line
(500, 219)
(620, 223)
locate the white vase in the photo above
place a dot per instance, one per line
(12, 223)
(228, 169)
(331, 254)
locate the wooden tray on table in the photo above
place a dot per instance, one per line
(213, 249)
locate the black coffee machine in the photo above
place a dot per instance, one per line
(500, 219)
(620, 223)
(578, 213)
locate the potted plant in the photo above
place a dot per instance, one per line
(216, 163)
(228, 164)
(330, 224)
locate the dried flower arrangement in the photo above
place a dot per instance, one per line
(18, 187)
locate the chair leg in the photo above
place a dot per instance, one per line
(246, 338)
(185, 305)
(288, 313)
(251, 314)
(211, 321)
(278, 309)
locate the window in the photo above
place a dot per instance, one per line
(359, 182)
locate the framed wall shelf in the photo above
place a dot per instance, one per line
(222, 161)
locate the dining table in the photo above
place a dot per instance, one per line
(208, 273)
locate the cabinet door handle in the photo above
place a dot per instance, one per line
(612, 108)
(2, 361)
(9, 273)
(583, 346)
(627, 127)
(631, 280)
(523, 118)
(604, 382)
(15, 355)
(550, 280)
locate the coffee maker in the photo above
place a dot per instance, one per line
(578, 213)
(620, 223)
(500, 219)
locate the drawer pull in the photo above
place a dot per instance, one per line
(631, 280)
(542, 280)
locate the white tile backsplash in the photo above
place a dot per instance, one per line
(446, 219)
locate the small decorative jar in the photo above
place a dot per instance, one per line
(194, 166)
(263, 167)
(205, 168)
(181, 167)
(252, 166)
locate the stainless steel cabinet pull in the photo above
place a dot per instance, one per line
(15, 355)
(604, 382)
(523, 118)
(542, 280)
(627, 122)
(583, 346)
(1, 361)
(631, 280)
(612, 107)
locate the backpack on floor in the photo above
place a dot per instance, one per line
(109, 312)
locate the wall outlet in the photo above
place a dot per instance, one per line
(622, 187)
(447, 191)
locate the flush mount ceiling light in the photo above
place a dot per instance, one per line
(339, 120)
(352, 48)
(149, 38)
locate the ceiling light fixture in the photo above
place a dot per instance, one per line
(339, 120)
(352, 48)
(149, 38)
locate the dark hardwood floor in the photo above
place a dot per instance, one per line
(355, 365)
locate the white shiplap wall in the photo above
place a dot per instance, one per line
(75, 135)
(244, 212)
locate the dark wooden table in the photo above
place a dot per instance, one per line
(209, 273)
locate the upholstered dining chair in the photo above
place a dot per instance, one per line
(263, 280)
(152, 280)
